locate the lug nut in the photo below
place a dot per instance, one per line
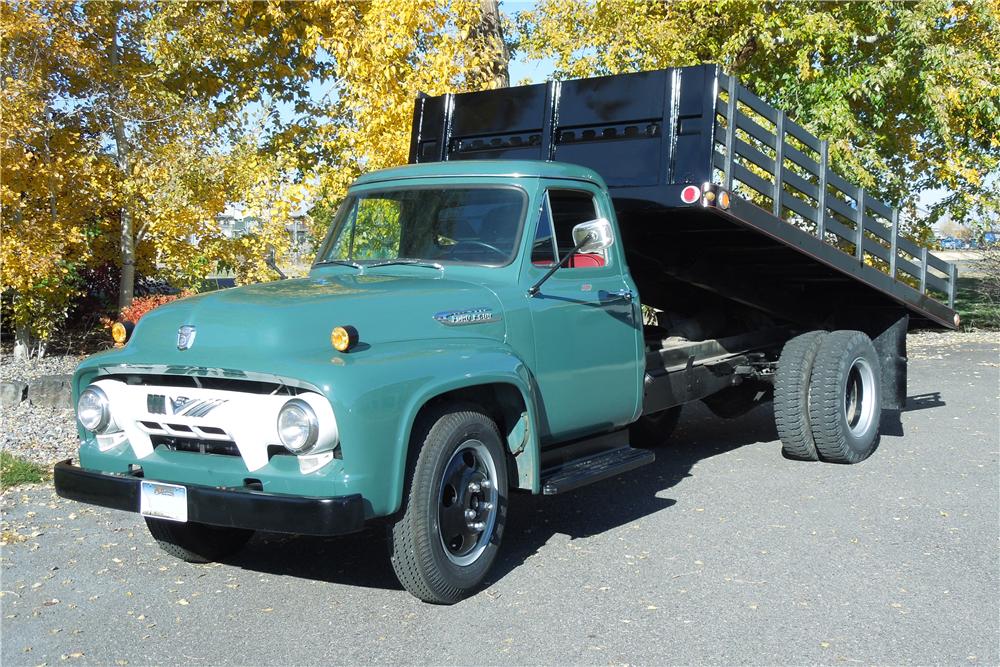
(479, 526)
(470, 515)
(486, 484)
(473, 487)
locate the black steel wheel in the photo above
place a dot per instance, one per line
(845, 397)
(654, 430)
(791, 396)
(197, 542)
(445, 541)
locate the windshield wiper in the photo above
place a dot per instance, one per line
(409, 262)
(343, 262)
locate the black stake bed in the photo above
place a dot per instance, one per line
(797, 241)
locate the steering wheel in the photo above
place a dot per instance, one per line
(481, 244)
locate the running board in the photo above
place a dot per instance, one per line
(593, 468)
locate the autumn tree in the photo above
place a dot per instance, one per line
(384, 54)
(119, 120)
(56, 184)
(156, 115)
(907, 93)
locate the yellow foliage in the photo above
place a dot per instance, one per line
(386, 52)
(128, 127)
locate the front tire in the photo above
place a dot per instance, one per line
(197, 542)
(448, 536)
(845, 397)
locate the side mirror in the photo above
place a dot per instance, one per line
(593, 235)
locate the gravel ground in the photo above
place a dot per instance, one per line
(29, 369)
(919, 339)
(720, 552)
(42, 435)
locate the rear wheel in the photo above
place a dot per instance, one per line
(445, 542)
(654, 430)
(197, 542)
(845, 397)
(791, 395)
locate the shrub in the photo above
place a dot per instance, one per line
(143, 304)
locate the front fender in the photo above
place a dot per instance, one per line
(380, 395)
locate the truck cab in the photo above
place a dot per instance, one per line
(453, 286)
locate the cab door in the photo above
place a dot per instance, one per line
(587, 323)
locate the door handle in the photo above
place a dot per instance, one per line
(622, 294)
(625, 294)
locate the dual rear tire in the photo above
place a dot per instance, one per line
(827, 397)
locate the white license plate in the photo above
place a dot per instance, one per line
(163, 501)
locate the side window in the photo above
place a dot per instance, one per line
(543, 248)
(568, 209)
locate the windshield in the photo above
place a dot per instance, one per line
(467, 225)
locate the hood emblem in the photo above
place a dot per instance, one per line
(185, 337)
(457, 318)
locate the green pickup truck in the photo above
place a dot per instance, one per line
(472, 326)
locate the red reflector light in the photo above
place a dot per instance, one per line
(690, 194)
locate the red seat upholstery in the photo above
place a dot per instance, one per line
(578, 261)
(581, 260)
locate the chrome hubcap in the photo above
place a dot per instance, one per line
(859, 403)
(467, 501)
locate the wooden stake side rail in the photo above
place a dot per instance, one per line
(789, 168)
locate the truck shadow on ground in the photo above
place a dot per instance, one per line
(362, 559)
(891, 423)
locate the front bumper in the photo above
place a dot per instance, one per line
(220, 506)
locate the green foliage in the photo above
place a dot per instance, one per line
(371, 230)
(15, 471)
(907, 93)
(975, 305)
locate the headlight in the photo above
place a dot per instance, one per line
(298, 427)
(94, 410)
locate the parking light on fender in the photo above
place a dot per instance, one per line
(343, 338)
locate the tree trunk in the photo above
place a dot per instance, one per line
(491, 29)
(23, 342)
(126, 284)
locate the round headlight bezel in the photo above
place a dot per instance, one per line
(104, 422)
(309, 419)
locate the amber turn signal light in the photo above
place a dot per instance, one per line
(120, 331)
(343, 338)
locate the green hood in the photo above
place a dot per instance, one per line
(292, 317)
